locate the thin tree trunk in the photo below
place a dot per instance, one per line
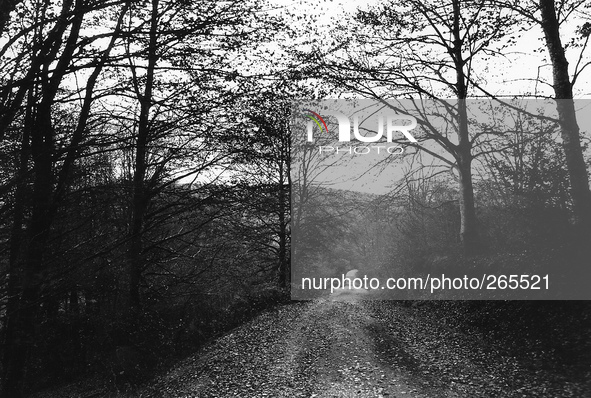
(283, 257)
(140, 195)
(468, 223)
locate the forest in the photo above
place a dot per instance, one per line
(151, 180)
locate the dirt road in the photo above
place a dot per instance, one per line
(354, 349)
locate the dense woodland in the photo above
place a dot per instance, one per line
(145, 186)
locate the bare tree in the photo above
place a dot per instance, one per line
(563, 90)
(50, 64)
(550, 17)
(425, 50)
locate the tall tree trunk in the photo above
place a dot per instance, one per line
(468, 221)
(577, 170)
(283, 256)
(140, 194)
(468, 224)
(11, 360)
(33, 279)
(34, 274)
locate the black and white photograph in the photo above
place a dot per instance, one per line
(295, 198)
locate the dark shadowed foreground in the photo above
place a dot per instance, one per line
(368, 349)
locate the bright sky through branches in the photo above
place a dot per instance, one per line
(523, 69)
